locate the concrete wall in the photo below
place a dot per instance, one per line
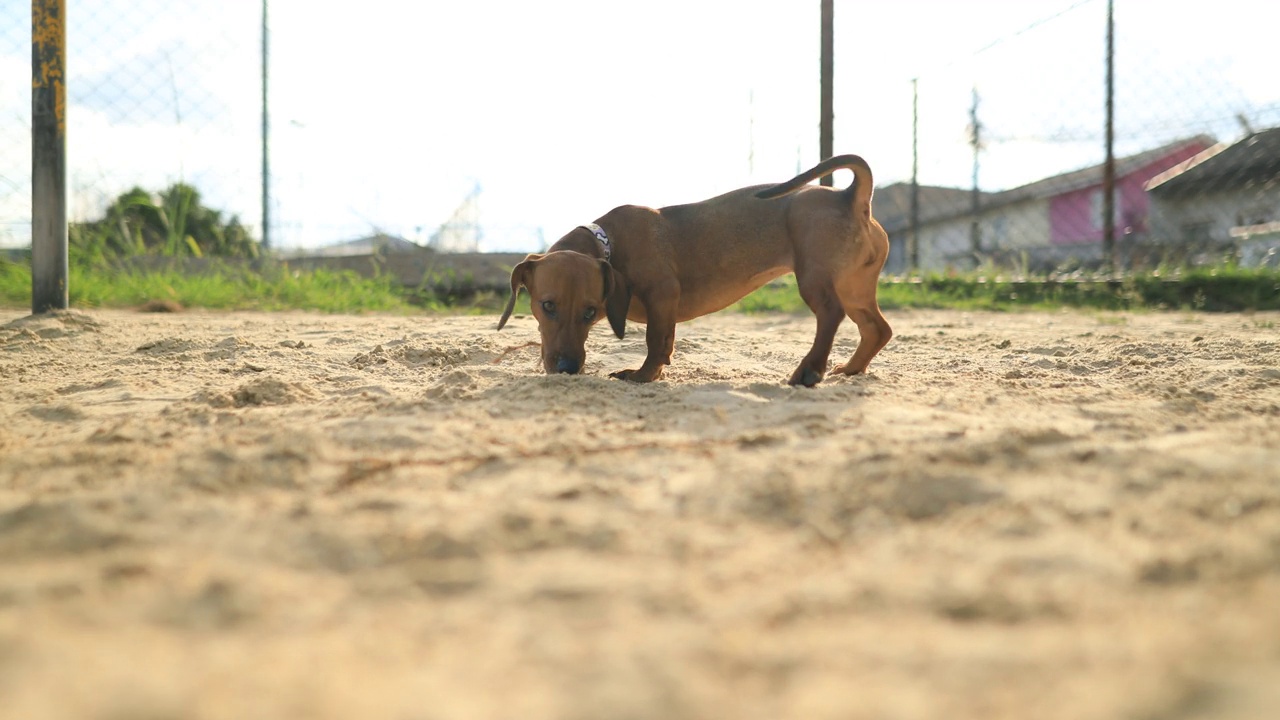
(1007, 229)
(1209, 217)
(1076, 217)
(457, 271)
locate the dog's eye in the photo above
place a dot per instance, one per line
(548, 307)
(589, 314)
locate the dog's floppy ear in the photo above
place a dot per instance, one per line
(520, 275)
(617, 298)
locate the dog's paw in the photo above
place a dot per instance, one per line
(846, 370)
(806, 377)
(635, 376)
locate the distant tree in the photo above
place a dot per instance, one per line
(173, 223)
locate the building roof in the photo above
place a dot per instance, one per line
(1050, 186)
(1255, 158)
(892, 204)
(1092, 175)
(376, 243)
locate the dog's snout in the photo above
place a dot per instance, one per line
(567, 365)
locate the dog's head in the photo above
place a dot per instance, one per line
(568, 293)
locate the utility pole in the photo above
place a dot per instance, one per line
(266, 134)
(827, 113)
(48, 156)
(1109, 166)
(975, 203)
(913, 237)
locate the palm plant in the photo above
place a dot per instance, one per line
(173, 223)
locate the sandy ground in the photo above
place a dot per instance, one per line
(239, 515)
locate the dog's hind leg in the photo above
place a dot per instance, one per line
(858, 298)
(820, 295)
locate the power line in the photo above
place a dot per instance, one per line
(1032, 26)
(1017, 33)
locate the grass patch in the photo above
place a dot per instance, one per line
(781, 295)
(15, 283)
(276, 287)
(223, 288)
(1218, 289)
(1223, 288)
(977, 292)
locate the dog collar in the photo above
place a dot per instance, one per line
(602, 236)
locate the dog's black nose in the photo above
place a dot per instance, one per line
(567, 365)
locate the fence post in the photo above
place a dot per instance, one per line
(975, 195)
(825, 144)
(48, 156)
(1109, 166)
(266, 140)
(913, 236)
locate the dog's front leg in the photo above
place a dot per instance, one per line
(659, 336)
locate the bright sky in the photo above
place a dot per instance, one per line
(386, 113)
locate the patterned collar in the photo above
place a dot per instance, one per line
(602, 236)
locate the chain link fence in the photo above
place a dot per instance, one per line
(159, 92)
(1010, 147)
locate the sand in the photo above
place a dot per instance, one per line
(1023, 515)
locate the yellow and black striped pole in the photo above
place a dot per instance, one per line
(48, 156)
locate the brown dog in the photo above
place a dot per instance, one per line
(665, 266)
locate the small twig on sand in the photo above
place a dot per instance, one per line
(503, 355)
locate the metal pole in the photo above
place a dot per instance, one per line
(266, 130)
(913, 237)
(975, 202)
(1109, 166)
(828, 43)
(48, 156)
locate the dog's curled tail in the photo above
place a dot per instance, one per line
(859, 191)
